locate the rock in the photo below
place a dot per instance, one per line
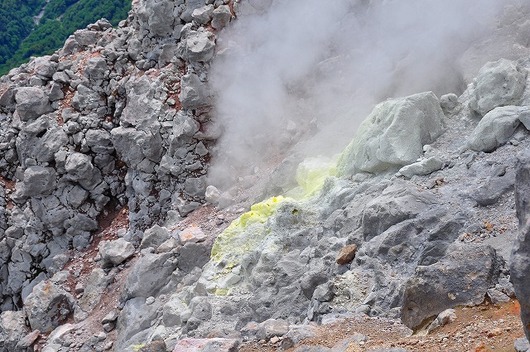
(346, 254)
(393, 134)
(497, 297)
(135, 318)
(48, 306)
(192, 234)
(200, 46)
(203, 14)
(12, 330)
(28, 340)
(212, 195)
(193, 92)
(498, 83)
(94, 288)
(446, 317)
(115, 252)
(154, 237)
(521, 345)
(272, 328)
(155, 346)
(100, 141)
(37, 181)
(423, 167)
(134, 146)
(32, 102)
(520, 263)
(497, 127)
(205, 345)
(221, 16)
(149, 274)
(449, 103)
(493, 188)
(462, 277)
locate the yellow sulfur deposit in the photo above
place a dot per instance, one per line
(312, 172)
(234, 241)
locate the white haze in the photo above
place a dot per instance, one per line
(318, 67)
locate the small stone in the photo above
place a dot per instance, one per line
(192, 234)
(275, 339)
(347, 254)
(150, 300)
(28, 340)
(521, 345)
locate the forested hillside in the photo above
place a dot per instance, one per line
(36, 27)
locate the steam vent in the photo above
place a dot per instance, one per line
(271, 175)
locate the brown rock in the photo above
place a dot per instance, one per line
(347, 254)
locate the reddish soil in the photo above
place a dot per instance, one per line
(484, 328)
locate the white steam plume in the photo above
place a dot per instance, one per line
(313, 66)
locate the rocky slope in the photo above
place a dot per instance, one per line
(105, 243)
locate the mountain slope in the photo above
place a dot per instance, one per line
(39, 28)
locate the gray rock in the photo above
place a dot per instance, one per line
(115, 252)
(32, 102)
(498, 83)
(444, 318)
(154, 237)
(521, 345)
(497, 127)
(190, 6)
(150, 273)
(462, 277)
(40, 140)
(12, 329)
(193, 92)
(394, 134)
(520, 264)
(86, 99)
(493, 188)
(200, 46)
(48, 306)
(37, 180)
(94, 288)
(195, 186)
(221, 16)
(100, 141)
(134, 146)
(271, 328)
(135, 317)
(206, 345)
(308, 348)
(497, 297)
(56, 92)
(96, 69)
(158, 17)
(423, 167)
(203, 14)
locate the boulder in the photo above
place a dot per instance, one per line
(394, 134)
(37, 180)
(154, 237)
(48, 306)
(32, 102)
(200, 46)
(520, 263)
(462, 277)
(193, 92)
(498, 83)
(149, 274)
(203, 15)
(422, 167)
(12, 329)
(133, 146)
(497, 127)
(115, 252)
(221, 16)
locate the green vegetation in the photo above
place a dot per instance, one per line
(20, 38)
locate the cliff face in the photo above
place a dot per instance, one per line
(415, 216)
